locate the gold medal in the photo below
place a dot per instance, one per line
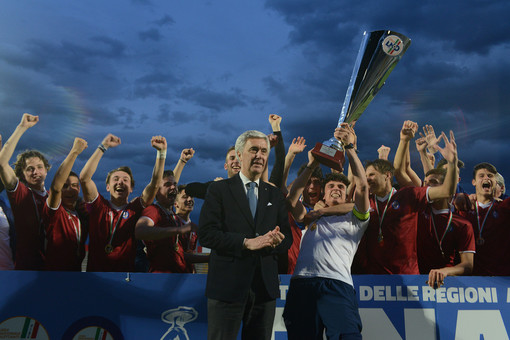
(313, 226)
(108, 249)
(480, 241)
(380, 239)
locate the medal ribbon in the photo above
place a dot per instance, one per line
(113, 228)
(440, 242)
(381, 218)
(480, 228)
(177, 221)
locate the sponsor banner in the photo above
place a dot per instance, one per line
(58, 305)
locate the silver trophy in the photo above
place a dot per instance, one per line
(379, 53)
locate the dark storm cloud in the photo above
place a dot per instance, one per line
(150, 34)
(165, 20)
(213, 100)
(156, 84)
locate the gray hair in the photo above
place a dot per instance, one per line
(241, 140)
(501, 181)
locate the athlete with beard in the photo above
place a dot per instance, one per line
(163, 231)
(112, 223)
(65, 234)
(490, 219)
(25, 188)
(321, 295)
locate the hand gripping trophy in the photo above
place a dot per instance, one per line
(378, 55)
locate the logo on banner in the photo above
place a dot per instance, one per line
(22, 327)
(177, 318)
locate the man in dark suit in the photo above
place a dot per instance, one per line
(245, 223)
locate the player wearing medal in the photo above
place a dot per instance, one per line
(321, 293)
(112, 223)
(162, 231)
(442, 234)
(490, 219)
(65, 233)
(25, 188)
(392, 231)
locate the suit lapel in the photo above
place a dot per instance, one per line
(236, 186)
(262, 202)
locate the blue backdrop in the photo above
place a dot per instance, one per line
(57, 305)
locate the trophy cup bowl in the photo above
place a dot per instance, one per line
(379, 53)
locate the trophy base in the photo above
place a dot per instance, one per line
(329, 156)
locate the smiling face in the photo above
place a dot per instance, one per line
(254, 158)
(485, 183)
(167, 192)
(35, 173)
(184, 203)
(119, 185)
(334, 193)
(70, 192)
(232, 164)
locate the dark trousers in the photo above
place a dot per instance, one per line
(317, 304)
(256, 314)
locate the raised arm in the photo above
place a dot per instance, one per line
(383, 152)
(407, 133)
(345, 134)
(186, 155)
(415, 179)
(295, 206)
(297, 146)
(87, 184)
(276, 176)
(6, 172)
(63, 172)
(426, 162)
(449, 152)
(149, 192)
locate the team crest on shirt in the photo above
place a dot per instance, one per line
(125, 215)
(395, 205)
(495, 214)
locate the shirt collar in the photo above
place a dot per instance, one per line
(246, 180)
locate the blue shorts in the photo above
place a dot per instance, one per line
(315, 304)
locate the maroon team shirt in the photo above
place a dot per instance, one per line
(103, 218)
(27, 206)
(458, 238)
(167, 255)
(65, 235)
(396, 254)
(493, 253)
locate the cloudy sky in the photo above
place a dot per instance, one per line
(201, 72)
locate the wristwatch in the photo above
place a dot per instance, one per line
(350, 146)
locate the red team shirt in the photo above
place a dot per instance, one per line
(102, 216)
(167, 255)
(27, 206)
(493, 256)
(458, 238)
(396, 254)
(63, 229)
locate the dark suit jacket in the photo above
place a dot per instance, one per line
(225, 221)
